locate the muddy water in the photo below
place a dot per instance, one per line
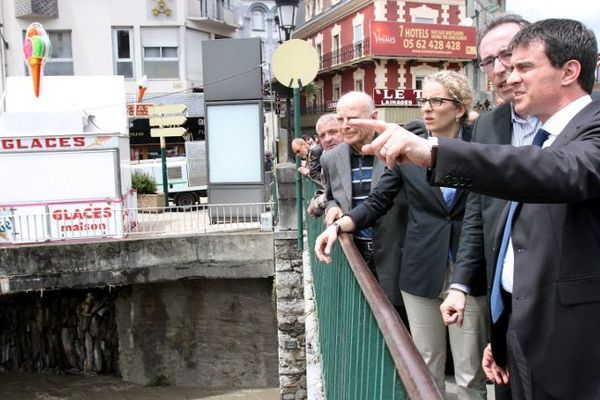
(24, 386)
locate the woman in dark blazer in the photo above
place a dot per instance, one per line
(432, 233)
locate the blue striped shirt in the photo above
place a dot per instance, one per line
(362, 173)
(524, 129)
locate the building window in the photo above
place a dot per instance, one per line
(319, 97)
(419, 83)
(61, 54)
(336, 49)
(337, 91)
(258, 20)
(161, 53)
(359, 85)
(123, 52)
(320, 54)
(358, 40)
(161, 62)
(309, 10)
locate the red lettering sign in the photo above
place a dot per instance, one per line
(423, 40)
(37, 143)
(138, 110)
(86, 213)
(396, 97)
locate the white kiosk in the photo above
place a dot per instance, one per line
(64, 160)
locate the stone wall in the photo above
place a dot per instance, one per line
(62, 330)
(290, 316)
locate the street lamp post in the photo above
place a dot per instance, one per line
(287, 21)
(286, 10)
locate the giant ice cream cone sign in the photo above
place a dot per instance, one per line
(36, 49)
(142, 86)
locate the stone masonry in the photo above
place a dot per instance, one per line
(290, 316)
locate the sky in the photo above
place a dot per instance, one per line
(586, 11)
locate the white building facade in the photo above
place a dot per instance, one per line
(161, 39)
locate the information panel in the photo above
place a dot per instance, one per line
(234, 143)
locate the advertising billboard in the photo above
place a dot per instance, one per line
(403, 39)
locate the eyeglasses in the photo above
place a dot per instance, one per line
(503, 56)
(435, 101)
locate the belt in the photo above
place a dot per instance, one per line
(364, 244)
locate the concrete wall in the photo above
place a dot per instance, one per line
(80, 265)
(209, 333)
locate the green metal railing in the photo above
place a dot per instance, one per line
(367, 353)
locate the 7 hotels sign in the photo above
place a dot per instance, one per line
(423, 40)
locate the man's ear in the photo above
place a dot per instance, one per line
(374, 114)
(571, 71)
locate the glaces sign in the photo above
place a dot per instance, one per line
(423, 40)
(37, 143)
(72, 221)
(396, 97)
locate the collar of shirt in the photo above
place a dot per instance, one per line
(557, 122)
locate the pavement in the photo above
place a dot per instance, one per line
(451, 389)
(28, 386)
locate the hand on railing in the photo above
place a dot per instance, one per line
(453, 308)
(325, 242)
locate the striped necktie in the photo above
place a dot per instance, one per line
(496, 301)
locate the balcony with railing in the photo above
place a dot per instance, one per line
(219, 13)
(366, 351)
(346, 55)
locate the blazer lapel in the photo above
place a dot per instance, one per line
(503, 124)
(378, 167)
(345, 174)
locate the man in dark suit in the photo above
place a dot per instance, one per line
(501, 126)
(549, 274)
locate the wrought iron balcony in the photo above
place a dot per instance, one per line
(346, 55)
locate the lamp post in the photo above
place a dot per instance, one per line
(286, 10)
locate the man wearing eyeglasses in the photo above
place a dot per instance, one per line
(475, 258)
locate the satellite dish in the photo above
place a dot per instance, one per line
(295, 63)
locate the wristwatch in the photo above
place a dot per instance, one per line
(337, 226)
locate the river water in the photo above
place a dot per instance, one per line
(26, 386)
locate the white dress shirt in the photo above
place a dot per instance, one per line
(554, 126)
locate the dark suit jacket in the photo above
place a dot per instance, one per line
(476, 247)
(556, 238)
(431, 228)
